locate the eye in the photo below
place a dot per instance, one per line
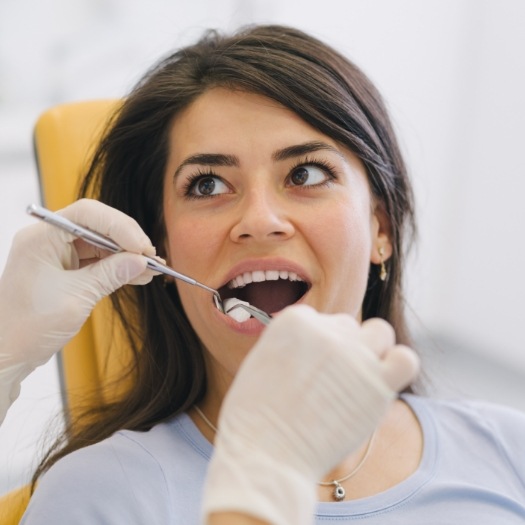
(205, 186)
(310, 175)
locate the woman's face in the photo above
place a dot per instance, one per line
(265, 208)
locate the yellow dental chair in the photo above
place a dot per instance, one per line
(64, 139)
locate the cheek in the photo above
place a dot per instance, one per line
(186, 240)
(344, 233)
(343, 245)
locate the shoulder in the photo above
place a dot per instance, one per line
(487, 427)
(483, 414)
(502, 424)
(119, 480)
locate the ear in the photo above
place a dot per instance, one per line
(381, 234)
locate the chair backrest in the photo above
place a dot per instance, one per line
(13, 505)
(65, 137)
(64, 141)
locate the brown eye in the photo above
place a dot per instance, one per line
(205, 186)
(308, 175)
(300, 176)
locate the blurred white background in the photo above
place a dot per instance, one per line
(453, 75)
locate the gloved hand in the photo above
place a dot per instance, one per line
(309, 393)
(52, 281)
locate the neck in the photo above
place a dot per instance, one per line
(338, 492)
(394, 454)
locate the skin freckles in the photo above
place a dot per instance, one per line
(257, 200)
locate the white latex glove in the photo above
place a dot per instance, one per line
(52, 281)
(312, 389)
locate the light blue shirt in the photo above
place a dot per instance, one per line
(472, 472)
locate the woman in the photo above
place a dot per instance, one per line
(265, 166)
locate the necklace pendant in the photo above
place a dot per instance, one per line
(339, 492)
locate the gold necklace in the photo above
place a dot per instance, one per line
(339, 493)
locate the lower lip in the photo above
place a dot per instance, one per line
(250, 327)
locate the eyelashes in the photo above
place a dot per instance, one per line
(206, 184)
(192, 183)
(328, 169)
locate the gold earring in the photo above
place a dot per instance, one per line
(382, 273)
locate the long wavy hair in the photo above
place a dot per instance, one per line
(303, 74)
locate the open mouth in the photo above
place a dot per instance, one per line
(269, 290)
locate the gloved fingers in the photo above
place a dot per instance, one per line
(339, 326)
(29, 240)
(144, 278)
(44, 242)
(111, 223)
(400, 367)
(107, 275)
(89, 254)
(343, 323)
(147, 276)
(378, 335)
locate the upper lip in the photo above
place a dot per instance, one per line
(254, 265)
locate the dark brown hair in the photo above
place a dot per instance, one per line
(296, 70)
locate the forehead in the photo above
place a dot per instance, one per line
(221, 120)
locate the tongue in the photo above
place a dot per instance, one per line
(272, 296)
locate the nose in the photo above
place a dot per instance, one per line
(262, 217)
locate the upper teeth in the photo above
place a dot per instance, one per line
(260, 276)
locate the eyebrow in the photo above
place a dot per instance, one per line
(208, 159)
(302, 149)
(220, 159)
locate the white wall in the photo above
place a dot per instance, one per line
(452, 72)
